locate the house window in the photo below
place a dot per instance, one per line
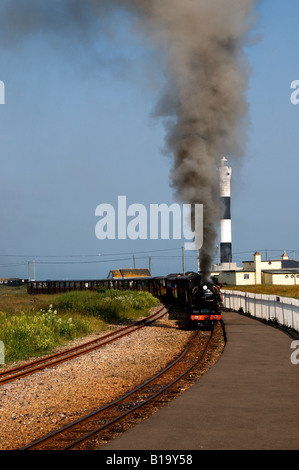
(246, 276)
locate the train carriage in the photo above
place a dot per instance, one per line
(201, 301)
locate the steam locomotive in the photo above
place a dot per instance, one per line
(200, 300)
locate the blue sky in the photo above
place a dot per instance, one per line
(76, 131)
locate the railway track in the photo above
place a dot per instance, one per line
(54, 359)
(103, 420)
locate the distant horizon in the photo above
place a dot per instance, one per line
(179, 264)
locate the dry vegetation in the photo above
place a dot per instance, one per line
(282, 291)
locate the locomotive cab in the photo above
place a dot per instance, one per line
(206, 304)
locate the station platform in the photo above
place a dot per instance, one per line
(247, 401)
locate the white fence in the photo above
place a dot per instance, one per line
(284, 310)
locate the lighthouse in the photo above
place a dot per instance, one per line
(225, 173)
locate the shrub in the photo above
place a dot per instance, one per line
(27, 334)
(108, 304)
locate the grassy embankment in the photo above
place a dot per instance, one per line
(281, 291)
(34, 325)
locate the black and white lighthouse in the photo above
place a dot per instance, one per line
(225, 173)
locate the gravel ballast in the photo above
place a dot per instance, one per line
(33, 406)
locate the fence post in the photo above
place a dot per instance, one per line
(292, 314)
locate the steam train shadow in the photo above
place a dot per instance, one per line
(180, 317)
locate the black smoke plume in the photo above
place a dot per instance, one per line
(204, 104)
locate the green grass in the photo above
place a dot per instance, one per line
(110, 305)
(32, 326)
(26, 334)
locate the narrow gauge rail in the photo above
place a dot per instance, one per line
(78, 433)
(54, 359)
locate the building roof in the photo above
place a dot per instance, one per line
(281, 271)
(241, 271)
(289, 263)
(129, 273)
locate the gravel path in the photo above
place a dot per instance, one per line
(36, 405)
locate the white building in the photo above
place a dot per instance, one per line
(281, 271)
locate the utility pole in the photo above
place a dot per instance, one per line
(134, 261)
(149, 265)
(29, 270)
(183, 260)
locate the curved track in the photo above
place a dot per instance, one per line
(54, 359)
(78, 433)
